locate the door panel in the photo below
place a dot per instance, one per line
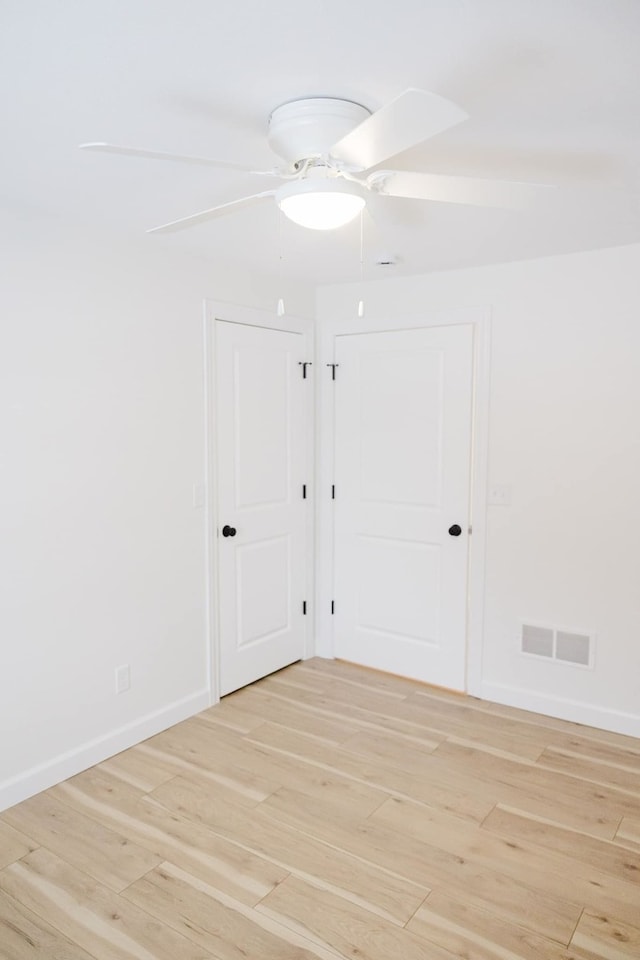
(263, 589)
(261, 466)
(402, 467)
(408, 572)
(261, 401)
(396, 462)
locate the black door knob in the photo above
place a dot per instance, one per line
(455, 530)
(228, 531)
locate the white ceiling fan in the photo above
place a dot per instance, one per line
(333, 150)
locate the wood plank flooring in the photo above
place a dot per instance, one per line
(328, 812)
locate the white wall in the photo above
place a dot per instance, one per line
(565, 433)
(101, 428)
(101, 550)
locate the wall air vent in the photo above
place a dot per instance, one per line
(573, 647)
(554, 643)
(537, 640)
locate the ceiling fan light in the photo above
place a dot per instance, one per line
(320, 204)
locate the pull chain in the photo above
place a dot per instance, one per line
(361, 302)
(280, 308)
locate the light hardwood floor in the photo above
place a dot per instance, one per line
(331, 811)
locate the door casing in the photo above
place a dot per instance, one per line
(231, 313)
(326, 333)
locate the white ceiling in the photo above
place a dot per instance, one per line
(552, 88)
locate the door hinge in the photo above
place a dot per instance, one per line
(333, 491)
(333, 607)
(333, 369)
(304, 491)
(304, 608)
(304, 364)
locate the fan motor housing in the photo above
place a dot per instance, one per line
(304, 129)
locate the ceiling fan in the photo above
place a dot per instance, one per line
(333, 150)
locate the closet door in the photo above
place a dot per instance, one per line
(261, 550)
(402, 471)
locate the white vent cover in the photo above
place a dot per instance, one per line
(573, 647)
(537, 640)
(553, 643)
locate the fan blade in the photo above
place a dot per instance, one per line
(220, 211)
(412, 117)
(470, 190)
(178, 157)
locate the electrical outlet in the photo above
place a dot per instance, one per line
(123, 678)
(500, 495)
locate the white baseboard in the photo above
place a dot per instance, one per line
(68, 764)
(564, 709)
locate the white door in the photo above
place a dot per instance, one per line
(260, 414)
(402, 471)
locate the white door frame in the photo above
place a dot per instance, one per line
(328, 330)
(231, 313)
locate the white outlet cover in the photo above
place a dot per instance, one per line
(123, 679)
